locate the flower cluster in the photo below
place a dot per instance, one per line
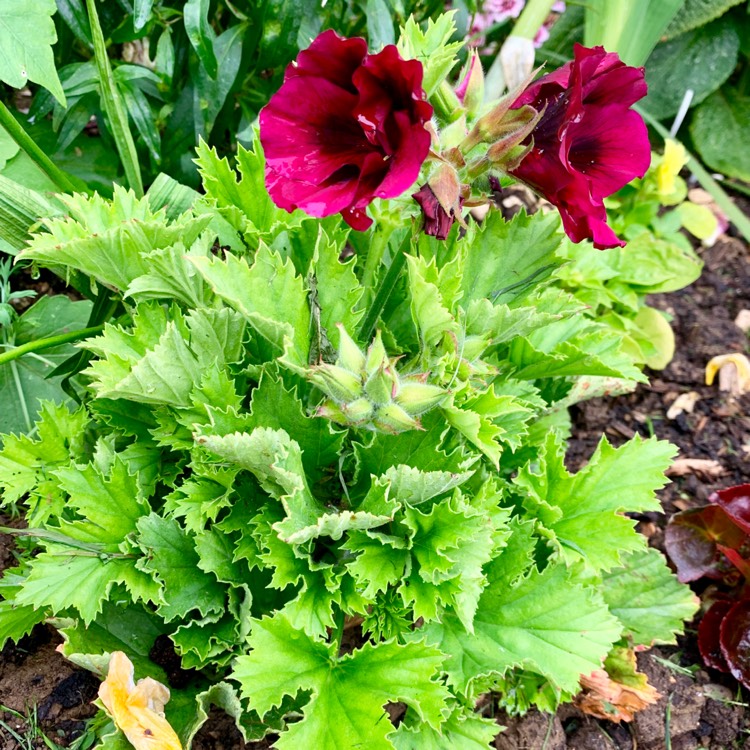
(364, 133)
(365, 390)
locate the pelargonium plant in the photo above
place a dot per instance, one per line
(321, 468)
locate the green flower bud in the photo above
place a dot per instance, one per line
(376, 355)
(380, 386)
(393, 419)
(331, 411)
(417, 398)
(338, 383)
(358, 411)
(350, 355)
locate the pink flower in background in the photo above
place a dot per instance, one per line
(345, 127)
(589, 143)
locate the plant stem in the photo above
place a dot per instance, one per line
(24, 140)
(113, 106)
(39, 344)
(384, 291)
(339, 632)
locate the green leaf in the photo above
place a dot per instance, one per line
(544, 622)
(275, 407)
(431, 47)
(379, 24)
(16, 620)
(171, 556)
(707, 56)
(414, 487)
(63, 577)
(584, 511)
(131, 629)
(200, 33)
(348, 693)
(166, 192)
(110, 505)
(23, 381)
(463, 730)
(648, 600)
(27, 34)
(142, 13)
(223, 696)
(695, 13)
(269, 295)
(719, 131)
(110, 240)
(20, 208)
(508, 258)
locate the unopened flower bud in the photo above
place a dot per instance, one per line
(337, 382)
(350, 356)
(380, 385)
(417, 398)
(470, 90)
(330, 410)
(358, 411)
(377, 357)
(393, 419)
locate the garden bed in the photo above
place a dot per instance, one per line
(698, 707)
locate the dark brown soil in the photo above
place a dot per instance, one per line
(699, 708)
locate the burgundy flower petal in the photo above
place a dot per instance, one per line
(344, 128)
(734, 636)
(588, 143)
(709, 632)
(437, 222)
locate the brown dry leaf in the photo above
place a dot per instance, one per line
(618, 693)
(137, 709)
(702, 467)
(734, 373)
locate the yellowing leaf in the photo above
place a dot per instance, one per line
(138, 710)
(617, 693)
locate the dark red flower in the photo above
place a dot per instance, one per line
(437, 221)
(345, 127)
(588, 143)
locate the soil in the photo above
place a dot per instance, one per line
(699, 708)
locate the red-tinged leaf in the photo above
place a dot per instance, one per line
(708, 635)
(736, 502)
(691, 541)
(734, 636)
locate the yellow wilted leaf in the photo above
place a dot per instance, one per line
(138, 710)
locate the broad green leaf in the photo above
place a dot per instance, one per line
(379, 24)
(719, 131)
(108, 240)
(647, 598)
(413, 487)
(166, 192)
(65, 577)
(142, 13)
(544, 622)
(27, 34)
(131, 629)
(707, 56)
(507, 259)
(223, 696)
(463, 729)
(27, 464)
(695, 13)
(347, 693)
(200, 499)
(216, 555)
(111, 505)
(499, 323)
(275, 407)
(23, 381)
(171, 555)
(269, 295)
(16, 620)
(584, 511)
(20, 208)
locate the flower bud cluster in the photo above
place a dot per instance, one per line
(365, 390)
